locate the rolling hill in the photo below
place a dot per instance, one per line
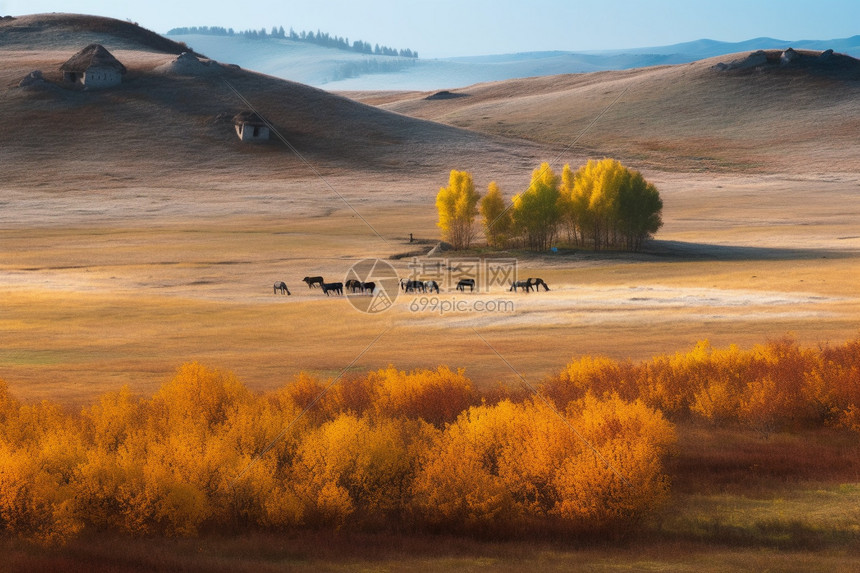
(740, 112)
(743, 112)
(164, 120)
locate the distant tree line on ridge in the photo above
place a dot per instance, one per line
(318, 38)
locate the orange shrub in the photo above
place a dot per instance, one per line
(397, 448)
(834, 384)
(596, 375)
(40, 448)
(499, 465)
(773, 385)
(358, 468)
(435, 396)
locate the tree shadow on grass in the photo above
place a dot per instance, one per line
(684, 251)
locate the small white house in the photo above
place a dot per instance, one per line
(250, 127)
(93, 67)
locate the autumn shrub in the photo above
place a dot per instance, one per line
(596, 375)
(435, 396)
(596, 465)
(40, 448)
(771, 386)
(358, 469)
(420, 449)
(833, 386)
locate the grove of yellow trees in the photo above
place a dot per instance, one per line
(603, 204)
(423, 450)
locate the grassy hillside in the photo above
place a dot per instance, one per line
(159, 124)
(692, 117)
(72, 31)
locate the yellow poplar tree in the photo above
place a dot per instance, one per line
(535, 211)
(566, 204)
(458, 205)
(497, 216)
(614, 206)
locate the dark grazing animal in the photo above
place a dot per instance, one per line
(353, 285)
(536, 283)
(409, 285)
(282, 286)
(463, 283)
(430, 286)
(336, 288)
(368, 287)
(526, 285)
(313, 281)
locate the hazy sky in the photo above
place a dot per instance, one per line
(442, 28)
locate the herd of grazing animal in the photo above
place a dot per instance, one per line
(406, 285)
(529, 284)
(358, 286)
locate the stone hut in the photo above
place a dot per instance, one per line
(250, 127)
(93, 67)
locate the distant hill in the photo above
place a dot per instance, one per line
(751, 111)
(337, 70)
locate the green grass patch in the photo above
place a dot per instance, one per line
(814, 518)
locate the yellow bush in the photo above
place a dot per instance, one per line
(35, 502)
(458, 484)
(597, 375)
(500, 464)
(357, 467)
(435, 396)
(397, 448)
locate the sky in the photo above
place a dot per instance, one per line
(448, 28)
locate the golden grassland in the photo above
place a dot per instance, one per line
(87, 308)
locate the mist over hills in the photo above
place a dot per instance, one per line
(337, 70)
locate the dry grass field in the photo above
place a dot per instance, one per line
(137, 233)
